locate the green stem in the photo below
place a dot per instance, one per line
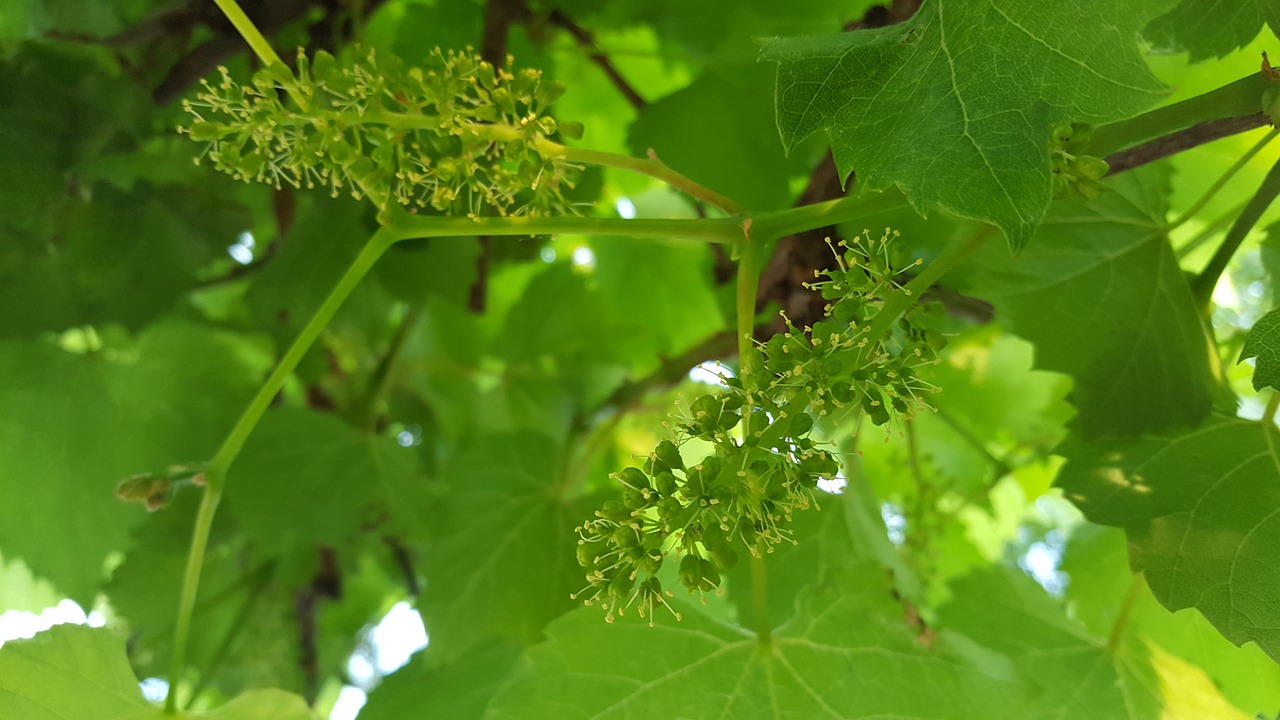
(1242, 97)
(216, 472)
(257, 42)
(377, 245)
(899, 302)
(249, 32)
(1126, 607)
(1202, 287)
(1208, 232)
(1222, 181)
(749, 264)
(716, 230)
(1273, 404)
(650, 166)
(262, 577)
(190, 583)
(758, 225)
(832, 212)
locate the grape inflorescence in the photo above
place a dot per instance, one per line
(764, 465)
(457, 135)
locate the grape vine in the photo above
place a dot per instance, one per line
(531, 464)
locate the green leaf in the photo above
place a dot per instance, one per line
(659, 297)
(244, 630)
(68, 672)
(740, 156)
(507, 565)
(72, 425)
(86, 275)
(460, 690)
(1102, 297)
(441, 269)
(1202, 513)
(956, 105)
(1233, 24)
(847, 653)
(1096, 560)
(329, 479)
(1263, 343)
(72, 672)
(1077, 674)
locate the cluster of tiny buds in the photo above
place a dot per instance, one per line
(1075, 174)
(836, 363)
(457, 135)
(764, 464)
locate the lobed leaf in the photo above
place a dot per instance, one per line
(1187, 26)
(956, 105)
(1263, 343)
(1076, 675)
(846, 654)
(72, 672)
(129, 408)
(1202, 513)
(507, 565)
(1102, 297)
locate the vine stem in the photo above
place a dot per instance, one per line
(650, 166)
(1126, 607)
(249, 32)
(1242, 97)
(1202, 287)
(1222, 181)
(1269, 414)
(257, 42)
(749, 263)
(405, 226)
(215, 473)
(724, 231)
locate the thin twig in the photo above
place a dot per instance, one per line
(1174, 143)
(405, 563)
(588, 43)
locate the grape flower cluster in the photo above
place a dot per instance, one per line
(457, 135)
(764, 464)
(1075, 175)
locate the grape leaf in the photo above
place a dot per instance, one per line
(1096, 559)
(72, 672)
(659, 297)
(741, 157)
(846, 653)
(66, 672)
(245, 623)
(72, 425)
(955, 105)
(1102, 297)
(1079, 676)
(507, 566)
(1212, 28)
(330, 479)
(460, 690)
(1202, 513)
(1263, 342)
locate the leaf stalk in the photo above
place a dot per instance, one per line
(1242, 97)
(1202, 287)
